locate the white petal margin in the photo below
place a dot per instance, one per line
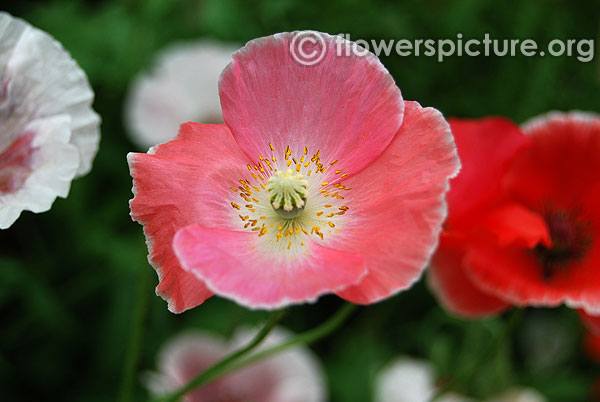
(182, 87)
(574, 116)
(45, 81)
(55, 164)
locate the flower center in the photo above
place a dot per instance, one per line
(288, 192)
(570, 242)
(273, 199)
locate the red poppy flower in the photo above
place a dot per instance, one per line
(523, 218)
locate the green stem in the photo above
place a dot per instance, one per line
(310, 336)
(232, 363)
(135, 340)
(513, 320)
(218, 368)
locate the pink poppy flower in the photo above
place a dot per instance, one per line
(323, 180)
(292, 376)
(49, 133)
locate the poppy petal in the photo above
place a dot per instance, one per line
(233, 265)
(396, 217)
(485, 148)
(178, 183)
(455, 290)
(348, 107)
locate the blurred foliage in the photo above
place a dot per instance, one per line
(68, 277)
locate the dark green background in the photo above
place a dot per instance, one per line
(69, 277)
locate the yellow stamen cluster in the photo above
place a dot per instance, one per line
(289, 183)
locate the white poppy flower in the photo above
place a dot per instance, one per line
(292, 376)
(182, 87)
(49, 133)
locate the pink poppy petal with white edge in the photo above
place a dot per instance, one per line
(397, 207)
(348, 107)
(231, 266)
(178, 183)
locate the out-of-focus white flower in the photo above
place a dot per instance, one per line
(182, 87)
(49, 133)
(405, 380)
(411, 380)
(291, 376)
